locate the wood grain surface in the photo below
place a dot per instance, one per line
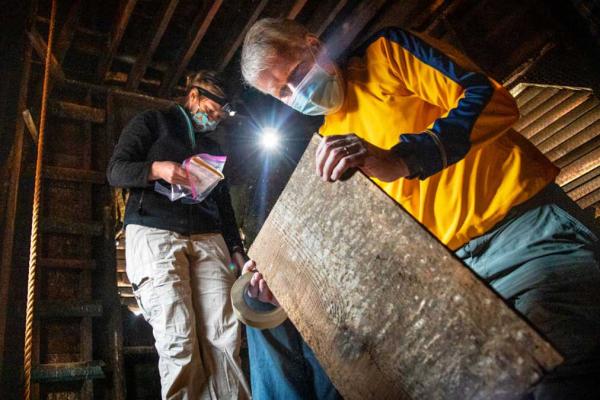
(388, 310)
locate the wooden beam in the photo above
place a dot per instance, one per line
(159, 26)
(74, 175)
(116, 37)
(237, 42)
(8, 239)
(296, 8)
(28, 120)
(65, 38)
(318, 24)
(388, 310)
(347, 31)
(39, 45)
(195, 36)
(77, 111)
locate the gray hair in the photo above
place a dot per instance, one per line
(268, 39)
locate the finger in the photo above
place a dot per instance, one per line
(253, 286)
(326, 140)
(249, 266)
(265, 294)
(334, 157)
(351, 161)
(328, 148)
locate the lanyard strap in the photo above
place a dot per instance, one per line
(189, 125)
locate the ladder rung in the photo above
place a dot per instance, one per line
(66, 372)
(67, 263)
(68, 309)
(77, 111)
(138, 350)
(128, 301)
(61, 263)
(59, 225)
(74, 175)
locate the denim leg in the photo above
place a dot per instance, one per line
(282, 366)
(545, 263)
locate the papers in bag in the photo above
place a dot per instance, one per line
(204, 172)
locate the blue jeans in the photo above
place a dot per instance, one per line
(543, 259)
(282, 366)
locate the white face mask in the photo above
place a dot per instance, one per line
(319, 93)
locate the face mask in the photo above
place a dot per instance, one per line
(319, 93)
(202, 123)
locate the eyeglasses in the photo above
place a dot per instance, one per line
(226, 107)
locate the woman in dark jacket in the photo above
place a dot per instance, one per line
(182, 258)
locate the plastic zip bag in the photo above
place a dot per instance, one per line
(204, 172)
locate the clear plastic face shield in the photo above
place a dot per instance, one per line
(317, 91)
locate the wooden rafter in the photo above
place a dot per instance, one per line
(296, 8)
(341, 40)
(318, 24)
(240, 37)
(195, 36)
(159, 26)
(116, 37)
(65, 38)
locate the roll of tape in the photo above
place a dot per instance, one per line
(249, 316)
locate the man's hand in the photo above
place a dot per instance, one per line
(336, 154)
(258, 288)
(169, 171)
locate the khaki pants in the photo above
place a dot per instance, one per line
(182, 285)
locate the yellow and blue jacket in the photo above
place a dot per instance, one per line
(451, 123)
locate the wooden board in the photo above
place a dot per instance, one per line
(388, 310)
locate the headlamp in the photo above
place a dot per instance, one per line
(225, 105)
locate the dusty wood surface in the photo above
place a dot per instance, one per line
(389, 311)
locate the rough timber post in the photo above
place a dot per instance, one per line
(389, 311)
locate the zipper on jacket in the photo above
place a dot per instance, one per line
(140, 209)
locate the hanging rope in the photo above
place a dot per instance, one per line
(28, 351)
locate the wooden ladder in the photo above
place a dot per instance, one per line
(77, 330)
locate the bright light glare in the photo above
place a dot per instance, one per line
(269, 139)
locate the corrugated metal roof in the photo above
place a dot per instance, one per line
(564, 123)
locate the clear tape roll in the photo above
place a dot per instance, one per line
(248, 315)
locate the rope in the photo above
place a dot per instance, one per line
(35, 214)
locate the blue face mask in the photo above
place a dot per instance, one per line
(319, 93)
(202, 123)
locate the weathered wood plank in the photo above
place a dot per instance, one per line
(74, 175)
(389, 311)
(77, 111)
(195, 36)
(58, 225)
(69, 309)
(65, 372)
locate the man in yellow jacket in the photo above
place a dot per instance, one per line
(435, 134)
